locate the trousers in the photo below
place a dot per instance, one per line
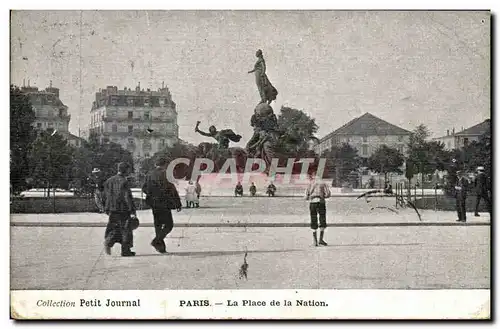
(118, 231)
(461, 211)
(315, 209)
(486, 197)
(163, 223)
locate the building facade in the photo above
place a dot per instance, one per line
(458, 140)
(142, 122)
(366, 134)
(50, 112)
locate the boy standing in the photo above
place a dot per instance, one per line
(316, 193)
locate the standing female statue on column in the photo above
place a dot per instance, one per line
(266, 90)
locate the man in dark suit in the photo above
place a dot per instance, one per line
(482, 190)
(162, 197)
(461, 188)
(120, 208)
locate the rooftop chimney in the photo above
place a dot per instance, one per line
(50, 84)
(448, 132)
(453, 130)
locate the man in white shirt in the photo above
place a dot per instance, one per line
(316, 193)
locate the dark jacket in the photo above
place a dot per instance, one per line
(98, 181)
(160, 193)
(463, 186)
(118, 195)
(481, 183)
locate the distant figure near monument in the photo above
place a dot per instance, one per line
(266, 90)
(223, 137)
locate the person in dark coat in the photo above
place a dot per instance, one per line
(238, 190)
(162, 197)
(119, 205)
(461, 188)
(482, 190)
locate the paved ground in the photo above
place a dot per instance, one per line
(279, 211)
(389, 255)
(210, 258)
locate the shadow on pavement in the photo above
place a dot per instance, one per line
(373, 245)
(217, 253)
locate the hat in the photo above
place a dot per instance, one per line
(480, 168)
(96, 170)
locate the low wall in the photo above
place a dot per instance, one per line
(62, 205)
(449, 204)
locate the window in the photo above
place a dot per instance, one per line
(131, 141)
(365, 150)
(146, 115)
(161, 101)
(146, 155)
(162, 142)
(114, 128)
(130, 101)
(466, 141)
(130, 114)
(146, 101)
(51, 124)
(130, 129)
(365, 139)
(39, 125)
(114, 100)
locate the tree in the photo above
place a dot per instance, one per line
(341, 161)
(104, 156)
(424, 156)
(178, 150)
(386, 160)
(297, 130)
(50, 159)
(22, 135)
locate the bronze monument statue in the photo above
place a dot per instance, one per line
(223, 137)
(266, 90)
(266, 134)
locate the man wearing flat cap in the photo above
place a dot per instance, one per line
(121, 210)
(162, 197)
(482, 190)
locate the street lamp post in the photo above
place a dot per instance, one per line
(51, 181)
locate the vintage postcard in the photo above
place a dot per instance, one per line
(250, 164)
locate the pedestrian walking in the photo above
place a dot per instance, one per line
(121, 210)
(316, 193)
(162, 197)
(461, 188)
(482, 187)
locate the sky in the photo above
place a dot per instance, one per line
(408, 68)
